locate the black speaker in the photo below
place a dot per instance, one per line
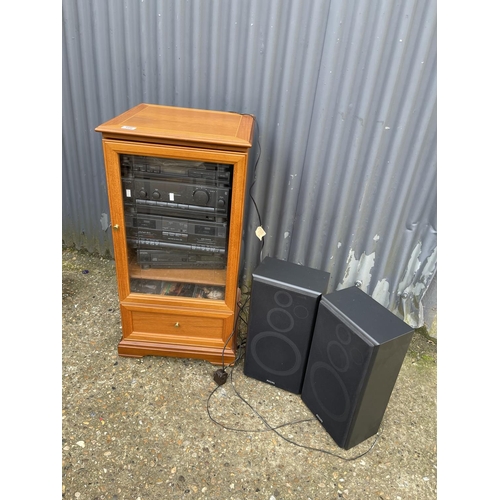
(357, 350)
(283, 305)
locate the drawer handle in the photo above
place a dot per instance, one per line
(177, 324)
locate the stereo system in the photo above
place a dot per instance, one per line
(176, 211)
(341, 351)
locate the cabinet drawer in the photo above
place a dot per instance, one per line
(175, 325)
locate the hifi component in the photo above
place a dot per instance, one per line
(283, 306)
(356, 354)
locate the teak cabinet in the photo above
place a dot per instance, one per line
(176, 181)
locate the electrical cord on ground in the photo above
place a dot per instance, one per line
(246, 430)
(274, 429)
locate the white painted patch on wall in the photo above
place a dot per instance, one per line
(412, 267)
(410, 291)
(104, 222)
(412, 311)
(381, 293)
(430, 265)
(358, 270)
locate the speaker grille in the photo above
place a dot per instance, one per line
(275, 353)
(281, 322)
(333, 374)
(357, 349)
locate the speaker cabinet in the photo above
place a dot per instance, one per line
(357, 350)
(283, 305)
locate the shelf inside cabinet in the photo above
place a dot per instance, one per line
(198, 276)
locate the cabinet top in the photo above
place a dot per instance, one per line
(181, 126)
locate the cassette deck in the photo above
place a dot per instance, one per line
(175, 229)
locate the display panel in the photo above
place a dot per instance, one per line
(177, 221)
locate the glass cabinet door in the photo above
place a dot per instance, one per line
(177, 225)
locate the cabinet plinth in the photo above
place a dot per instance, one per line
(176, 181)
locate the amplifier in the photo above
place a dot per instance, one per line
(176, 195)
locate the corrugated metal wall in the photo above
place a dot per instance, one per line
(344, 93)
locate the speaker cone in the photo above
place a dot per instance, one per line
(276, 353)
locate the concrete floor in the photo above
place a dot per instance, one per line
(160, 428)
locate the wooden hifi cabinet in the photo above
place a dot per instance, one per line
(176, 182)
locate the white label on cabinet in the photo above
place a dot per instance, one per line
(171, 196)
(128, 127)
(128, 192)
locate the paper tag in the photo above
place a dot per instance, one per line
(128, 127)
(260, 233)
(171, 196)
(128, 193)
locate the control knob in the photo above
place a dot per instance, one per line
(156, 195)
(201, 196)
(143, 193)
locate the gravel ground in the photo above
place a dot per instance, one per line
(160, 428)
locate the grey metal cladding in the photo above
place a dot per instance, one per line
(345, 97)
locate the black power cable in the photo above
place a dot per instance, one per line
(253, 183)
(274, 429)
(255, 174)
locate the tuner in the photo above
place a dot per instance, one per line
(201, 196)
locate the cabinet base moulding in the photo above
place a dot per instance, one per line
(138, 349)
